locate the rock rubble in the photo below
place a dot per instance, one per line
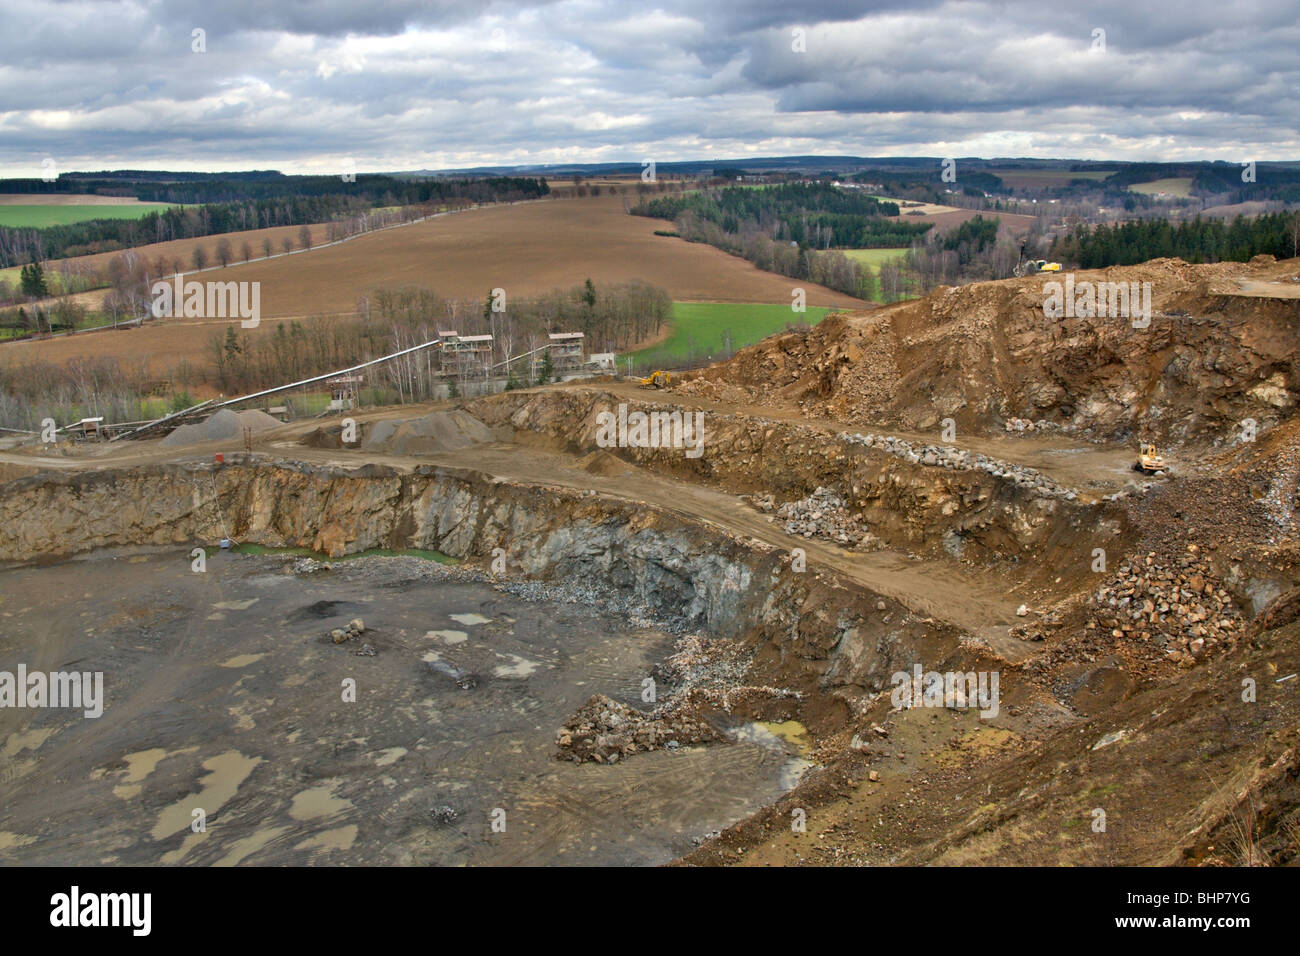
(603, 730)
(823, 514)
(945, 456)
(1180, 607)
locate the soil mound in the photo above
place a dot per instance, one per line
(604, 463)
(327, 436)
(1212, 346)
(435, 432)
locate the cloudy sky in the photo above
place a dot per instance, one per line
(307, 85)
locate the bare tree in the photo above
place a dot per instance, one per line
(224, 252)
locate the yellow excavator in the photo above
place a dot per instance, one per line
(659, 379)
(1028, 267)
(1149, 462)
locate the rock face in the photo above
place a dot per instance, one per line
(822, 631)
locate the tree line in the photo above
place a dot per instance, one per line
(214, 188)
(1196, 240)
(322, 199)
(790, 229)
(814, 214)
(613, 317)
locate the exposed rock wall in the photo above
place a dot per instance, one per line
(809, 629)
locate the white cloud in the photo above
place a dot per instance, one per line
(398, 84)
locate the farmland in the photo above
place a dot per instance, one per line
(704, 330)
(39, 216)
(1178, 186)
(874, 258)
(68, 199)
(1045, 178)
(526, 249)
(948, 217)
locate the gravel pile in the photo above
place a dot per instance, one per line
(945, 456)
(712, 673)
(435, 432)
(225, 425)
(1022, 425)
(823, 514)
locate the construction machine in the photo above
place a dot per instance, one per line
(1149, 462)
(658, 379)
(1028, 267)
(1031, 266)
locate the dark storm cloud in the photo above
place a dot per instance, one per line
(393, 84)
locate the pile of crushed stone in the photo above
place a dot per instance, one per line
(435, 432)
(225, 425)
(1183, 608)
(823, 514)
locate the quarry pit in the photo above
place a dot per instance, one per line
(521, 585)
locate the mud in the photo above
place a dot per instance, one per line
(225, 694)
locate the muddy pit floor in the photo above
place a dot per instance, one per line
(224, 693)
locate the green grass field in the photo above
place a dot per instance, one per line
(38, 217)
(1180, 187)
(874, 257)
(1045, 178)
(700, 331)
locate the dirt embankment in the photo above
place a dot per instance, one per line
(985, 354)
(940, 503)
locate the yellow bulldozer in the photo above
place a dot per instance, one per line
(1149, 461)
(659, 379)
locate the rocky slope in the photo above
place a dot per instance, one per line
(986, 354)
(917, 499)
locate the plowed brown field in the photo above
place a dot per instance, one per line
(526, 249)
